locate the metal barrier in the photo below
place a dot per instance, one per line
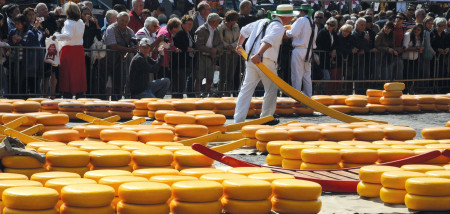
(26, 75)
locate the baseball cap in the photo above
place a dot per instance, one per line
(145, 42)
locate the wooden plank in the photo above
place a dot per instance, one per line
(332, 175)
(314, 175)
(349, 175)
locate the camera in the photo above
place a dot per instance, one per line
(133, 42)
(41, 19)
(166, 40)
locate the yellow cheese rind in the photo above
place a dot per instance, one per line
(178, 207)
(198, 172)
(291, 163)
(247, 189)
(289, 189)
(19, 211)
(30, 198)
(220, 177)
(5, 184)
(368, 189)
(58, 183)
(21, 162)
(68, 158)
(45, 176)
(192, 158)
(149, 172)
(299, 207)
(151, 158)
(392, 196)
(321, 156)
(126, 208)
(144, 193)
(270, 177)
(248, 170)
(397, 179)
(359, 155)
(116, 181)
(274, 160)
(12, 176)
(171, 179)
(238, 206)
(86, 210)
(372, 174)
(97, 174)
(421, 167)
(87, 195)
(427, 203)
(197, 191)
(428, 186)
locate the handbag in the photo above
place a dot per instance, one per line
(52, 50)
(97, 54)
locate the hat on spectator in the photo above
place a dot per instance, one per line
(285, 10)
(212, 17)
(145, 42)
(308, 8)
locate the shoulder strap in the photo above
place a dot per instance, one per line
(311, 38)
(262, 32)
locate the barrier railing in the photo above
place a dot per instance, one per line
(24, 73)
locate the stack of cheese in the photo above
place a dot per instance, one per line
(160, 114)
(410, 103)
(188, 158)
(324, 99)
(357, 104)
(358, 157)
(285, 107)
(58, 183)
(71, 108)
(273, 147)
(426, 102)
(110, 159)
(225, 107)
(246, 196)
(188, 131)
(196, 197)
(428, 194)
(393, 190)
(202, 104)
(249, 132)
(151, 158)
(436, 133)
(52, 122)
(116, 181)
(442, 103)
(141, 108)
(68, 161)
(92, 132)
(183, 105)
(50, 106)
(62, 135)
(199, 172)
(301, 133)
(370, 176)
(97, 109)
(400, 133)
(318, 158)
(43, 177)
(291, 155)
(287, 200)
(26, 106)
(5, 108)
(392, 96)
(173, 119)
(154, 106)
(150, 172)
(339, 104)
(123, 109)
(121, 134)
(87, 198)
(24, 165)
(8, 180)
(265, 135)
(143, 197)
(300, 109)
(30, 199)
(373, 99)
(214, 122)
(96, 175)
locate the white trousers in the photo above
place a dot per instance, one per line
(301, 71)
(252, 77)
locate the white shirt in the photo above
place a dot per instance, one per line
(211, 37)
(274, 36)
(300, 32)
(144, 33)
(72, 33)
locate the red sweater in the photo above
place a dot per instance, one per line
(135, 22)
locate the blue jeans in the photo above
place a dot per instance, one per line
(156, 89)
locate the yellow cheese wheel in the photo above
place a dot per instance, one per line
(427, 107)
(249, 131)
(442, 107)
(386, 155)
(368, 134)
(225, 104)
(20, 211)
(291, 206)
(273, 147)
(205, 105)
(415, 108)
(133, 147)
(160, 114)
(373, 101)
(112, 134)
(342, 108)
(321, 156)
(100, 114)
(353, 142)
(36, 145)
(94, 147)
(179, 118)
(79, 143)
(87, 195)
(126, 208)
(247, 189)
(120, 143)
(248, 170)
(152, 158)
(439, 173)
(371, 190)
(191, 130)
(26, 172)
(407, 146)
(337, 134)
(320, 142)
(421, 167)
(436, 133)
(289, 189)
(359, 109)
(394, 86)
(116, 181)
(140, 112)
(46, 149)
(294, 151)
(86, 210)
(144, 193)
(421, 142)
(21, 162)
(399, 133)
(62, 135)
(98, 174)
(324, 99)
(210, 119)
(365, 156)
(93, 131)
(372, 174)
(12, 176)
(375, 107)
(171, 179)
(68, 158)
(26, 106)
(78, 170)
(110, 158)
(58, 183)
(271, 134)
(392, 93)
(199, 112)
(310, 166)
(427, 203)
(6, 118)
(155, 135)
(410, 100)
(197, 191)
(176, 148)
(5, 184)
(374, 93)
(392, 196)
(356, 101)
(270, 177)
(124, 168)
(220, 177)
(291, 163)
(389, 142)
(122, 106)
(52, 119)
(178, 207)
(428, 186)
(303, 111)
(192, 158)
(45, 176)
(159, 105)
(198, 172)
(274, 160)
(150, 172)
(261, 146)
(30, 198)
(390, 101)
(397, 179)
(239, 206)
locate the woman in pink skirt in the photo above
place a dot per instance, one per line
(72, 69)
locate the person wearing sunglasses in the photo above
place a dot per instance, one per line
(410, 21)
(399, 32)
(319, 19)
(326, 47)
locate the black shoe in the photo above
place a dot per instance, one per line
(273, 122)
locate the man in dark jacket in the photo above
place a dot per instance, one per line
(140, 67)
(361, 45)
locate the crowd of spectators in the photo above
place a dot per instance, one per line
(368, 45)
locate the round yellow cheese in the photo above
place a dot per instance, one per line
(132, 147)
(289, 206)
(372, 174)
(157, 158)
(369, 134)
(116, 181)
(247, 189)
(397, 179)
(121, 143)
(87, 195)
(46, 149)
(320, 142)
(365, 156)
(370, 190)
(198, 172)
(110, 158)
(128, 168)
(220, 177)
(5, 184)
(171, 179)
(274, 160)
(21, 162)
(353, 142)
(37, 145)
(270, 177)
(45, 176)
(392, 196)
(98, 174)
(289, 189)
(427, 203)
(321, 156)
(79, 143)
(192, 158)
(178, 207)
(144, 193)
(248, 170)
(304, 134)
(161, 144)
(273, 147)
(291, 163)
(19, 211)
(197, 191)
(387, 155)
(93, 147)
(428, 186)
(238, 206)
(335, 146)
(150, 172)
(86, 210)
(407, 146)
(79, 170)
(294, 151)
(439, 173)
(12, 176)
(271, 134)
(58, 183)
(337, 134)
(309, 166)
(125, 208)
(30, 198)
(68, 158)
(421, 167)
(399, 133)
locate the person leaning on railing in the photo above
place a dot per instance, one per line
(326, 43)
(344, 50)
(440, 41)
(387, 57)
(183, 61)
(413, 43)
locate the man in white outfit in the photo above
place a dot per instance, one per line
(301, 33)
(263, 44)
